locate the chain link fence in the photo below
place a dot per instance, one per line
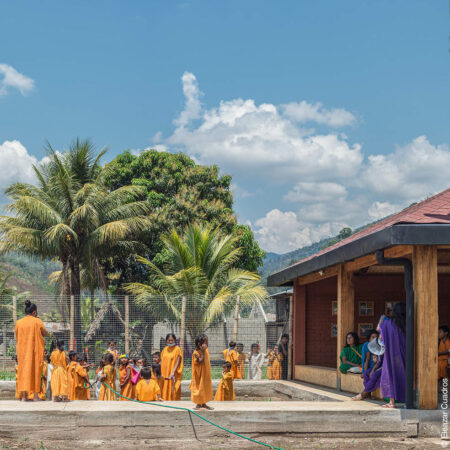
(139, 327)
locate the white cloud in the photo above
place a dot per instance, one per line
(16, 163)
(306, 112)
(310, 192)
(378, 210)
(281, 232)
(410, 172)
(240, 192)
(258, 141)
(14, 79)
(192, 107)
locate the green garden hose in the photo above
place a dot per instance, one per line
(195, 414)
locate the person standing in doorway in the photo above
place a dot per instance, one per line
(284, 350)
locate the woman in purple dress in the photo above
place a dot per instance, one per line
(392, 332)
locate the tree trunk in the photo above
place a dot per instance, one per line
(76, 288)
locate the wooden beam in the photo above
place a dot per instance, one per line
(397, 251)
(299, 329)
(426, 324)
(317, 276)
(346, 312)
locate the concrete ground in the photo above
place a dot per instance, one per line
(286, 442)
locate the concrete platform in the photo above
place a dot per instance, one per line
(47, 420)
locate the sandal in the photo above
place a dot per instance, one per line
(389, 405)
(208, 407)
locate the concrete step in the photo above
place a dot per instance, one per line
(128, 420)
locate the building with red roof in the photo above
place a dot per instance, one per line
(349, 285)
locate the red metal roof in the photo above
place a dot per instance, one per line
(435, 209)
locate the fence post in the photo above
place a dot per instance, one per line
(14, 309)
(236, 318)
(72, 322)
(183, 322)
(5, 348)
(291, 328)
(127, 324)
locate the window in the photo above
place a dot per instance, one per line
(334, 308)
(366, 308)
(388, 308)
(364, 328)
(334, 330)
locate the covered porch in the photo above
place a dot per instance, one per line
(347, 288)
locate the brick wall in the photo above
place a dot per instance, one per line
(320, 346)
(379, 289)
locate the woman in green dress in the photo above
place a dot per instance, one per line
(351, 354)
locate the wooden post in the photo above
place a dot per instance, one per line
(291, 327)
(236, 318)
(426, 324)
(183, 323)
(299, 331)
(72, 322)
(14, 309)
(346, 312)
(127, 324)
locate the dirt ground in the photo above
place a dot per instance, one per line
(285, 442)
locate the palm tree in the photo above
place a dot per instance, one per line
(6, 299)
(71, 216)
(200, 267)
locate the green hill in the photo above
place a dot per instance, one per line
(28, 274)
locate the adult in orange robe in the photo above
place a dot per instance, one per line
(225, 390)
(127, 388)
(231, 355)
(443, 352)
(30, 332)
(80, 377)
(171, 369)
(58, 382)
(274, 366)
(109, 377)
(201, 384)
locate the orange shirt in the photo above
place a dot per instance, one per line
(70, 374)
(443, 359)
(241, 366)
(128, 389)
(169, 356)
(201, 384)
(274, 367)
(109, 372)
(225, 390)
(147, 390)
(79, 392)
(30, 353)
(232, 357)
(59, 374)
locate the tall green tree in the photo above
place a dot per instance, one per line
(72, 216)
(179, 192)
(201, 266)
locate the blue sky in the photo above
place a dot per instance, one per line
(325, 113)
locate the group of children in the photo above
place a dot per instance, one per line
(65, 376)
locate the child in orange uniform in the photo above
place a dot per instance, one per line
(231, 355)
(81, 384)
(147, 389)
(156, 375)
(70, 372)
(274, 365)
(60, 390)
(108, 377)
(201, 384)
(127, 388)
(241, 361)
(225, 390)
